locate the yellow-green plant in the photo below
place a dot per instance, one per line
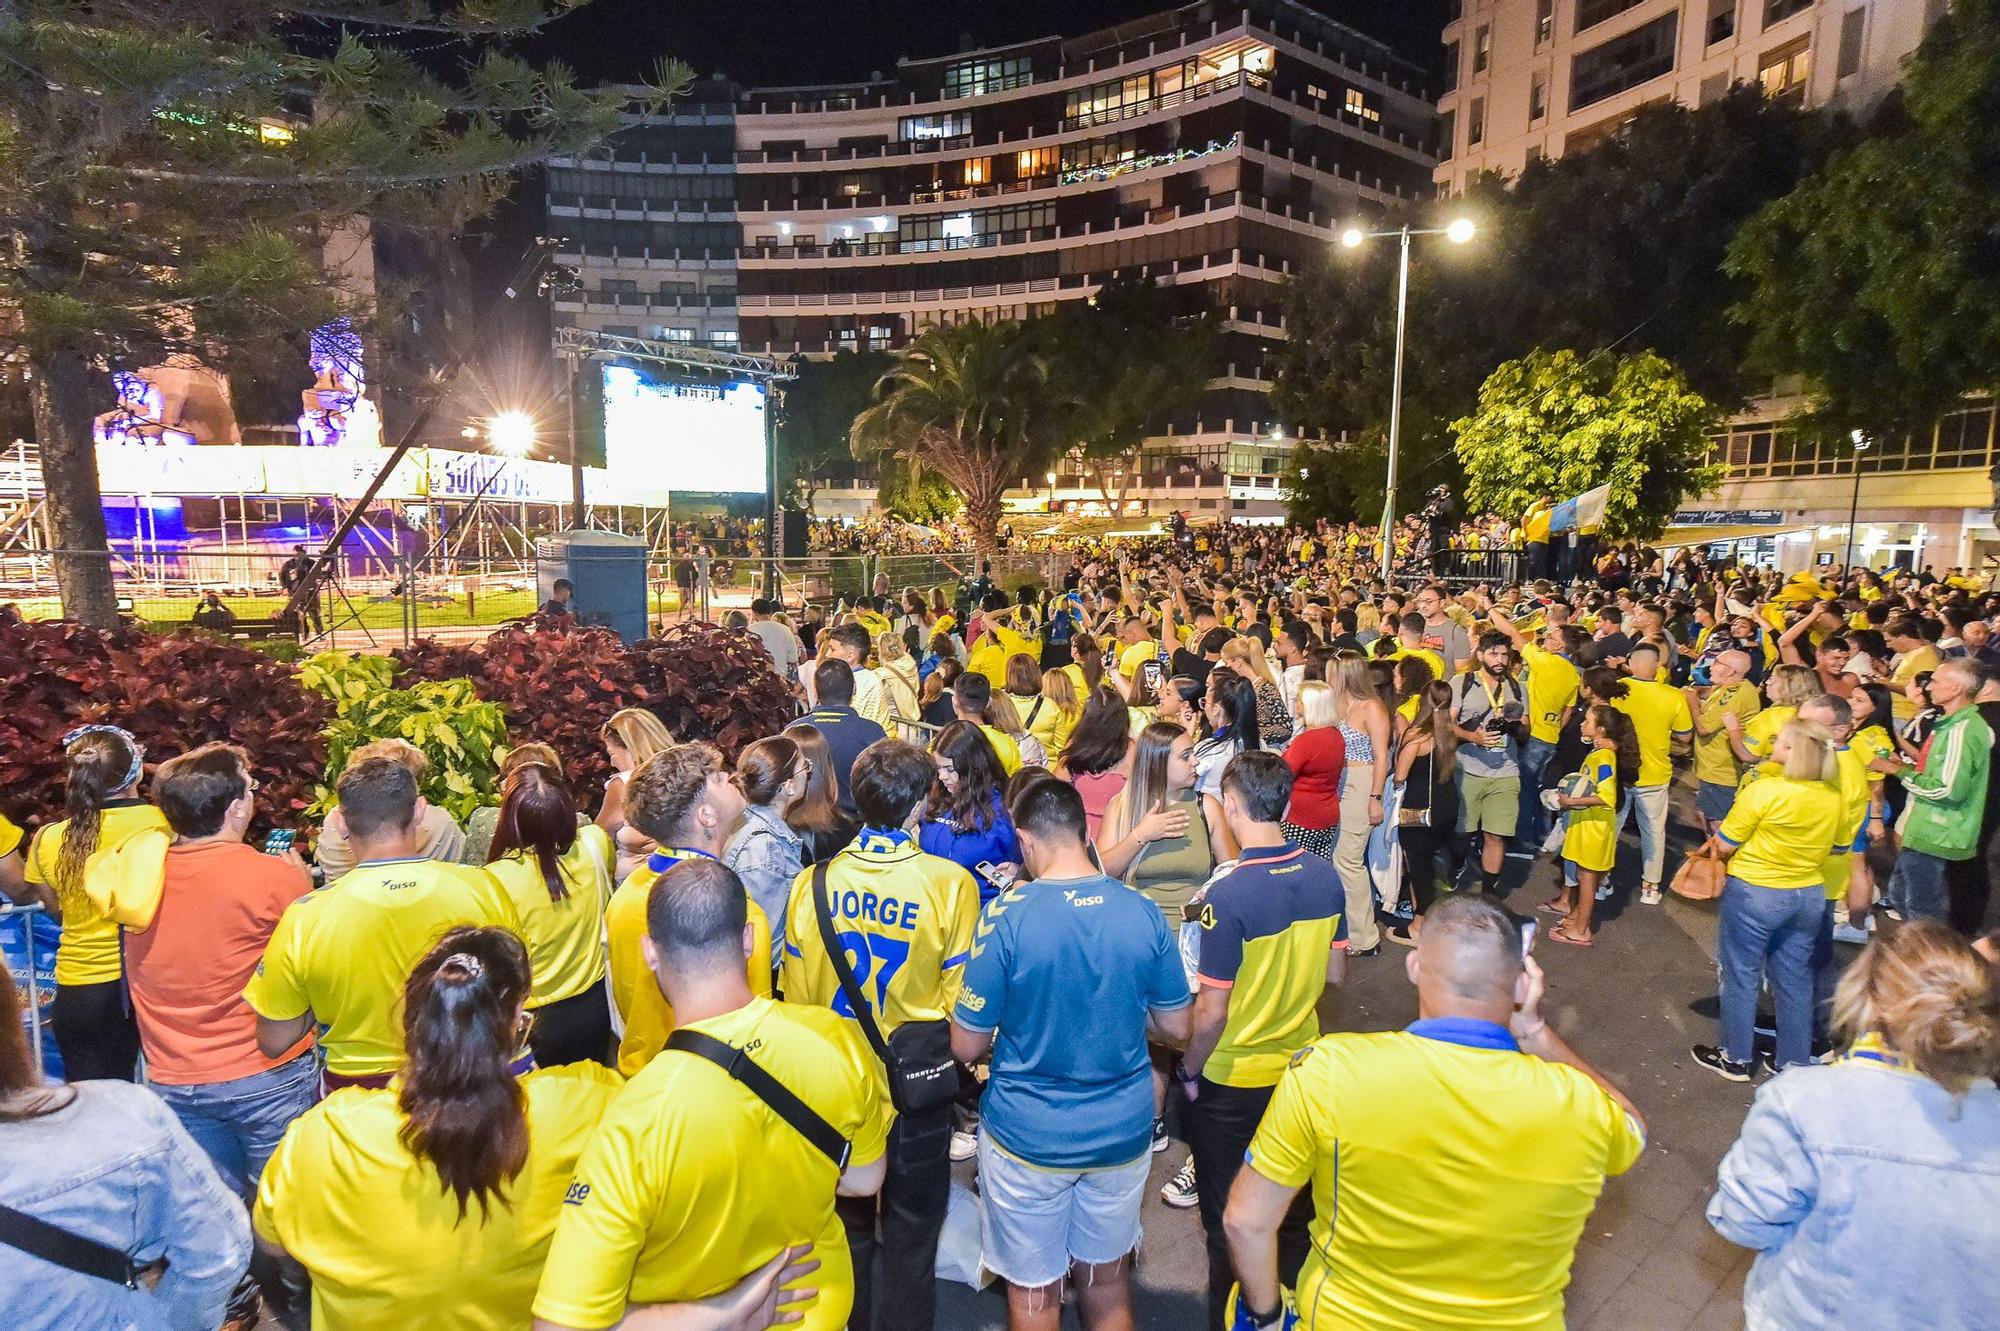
(460, 736)
(347, 678)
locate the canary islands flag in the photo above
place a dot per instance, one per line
(1583, 514)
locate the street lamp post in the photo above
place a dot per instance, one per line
(1861, 443)
(1458, 233)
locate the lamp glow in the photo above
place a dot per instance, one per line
(511, 433)
(1459, 231)
(1352, 237)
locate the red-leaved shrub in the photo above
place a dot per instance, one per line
(173, 692)
(713, 684)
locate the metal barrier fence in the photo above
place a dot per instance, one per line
(30, 985)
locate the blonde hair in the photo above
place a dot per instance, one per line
(1811, 758)
(398, 751)
(1003, 715)
(1931, 998)
(1348, 677)
(890, 647)
(1245, 648)
(638, 732)
(1792, 685)
(1060, 690)
(1317, 704)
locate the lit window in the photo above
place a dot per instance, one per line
(978, 170)
(1357, 105)
(1033, 162)
(1482, 49)
(1783, 74)
(1314, 91)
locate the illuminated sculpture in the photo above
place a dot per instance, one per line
(337, 410)
(140, 416)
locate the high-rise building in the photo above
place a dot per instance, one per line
(1538, 78)
(1214, 148)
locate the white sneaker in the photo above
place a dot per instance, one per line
(1603, 892)
(1847, 933)
(1649, 894)
(964, 1145)
(1178, 1191)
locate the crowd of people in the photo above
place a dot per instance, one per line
(1038, 881)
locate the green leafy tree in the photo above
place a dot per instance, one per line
(915, 495)
(174, 176)
(816, 421)
(1617, 248)
(1340, 482)
(1878, 278)
(972, 404)
(1558, 424)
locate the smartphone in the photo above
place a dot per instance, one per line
(1528, 928)
(279, 841)
(993, 874)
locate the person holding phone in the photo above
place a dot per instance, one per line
(1488, 706)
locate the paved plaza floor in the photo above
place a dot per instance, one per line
(1648, 1260)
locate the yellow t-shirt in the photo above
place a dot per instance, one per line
(89, 950)
(10, 835)
(1658, 712)
(1784, 830)
(1855, 789)
(635, 992)
(1714, 759)
(1914, 663)
(1424, 654)
(1873, 744)
(989, 655)
(1045, 721)
(905, 920)
(1378, 1125)
(1132, 659)
(381, 1236)
(565, 938)
(345, 952)
(1004, 749)
(1759, 732)
(693, 1182)
(1552, 686)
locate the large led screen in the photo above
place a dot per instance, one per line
(703, 438)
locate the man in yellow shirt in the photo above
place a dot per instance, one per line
(1716, 770)
(1661, 719)
(694, 1180)
(1136, 648)
(999, 640)
(1551, 680)
(1453, 1164)
(904, 920)
(340, 956)
(1914, 656)
(970, 695)
(684, 801)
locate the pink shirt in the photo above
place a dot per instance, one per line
(1098, 790)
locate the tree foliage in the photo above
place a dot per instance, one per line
(176, 177)
(1878, 278)
(1616, 248)
(817, 419)
(1339, 482)
(1558, 424)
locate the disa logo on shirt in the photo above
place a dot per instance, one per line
(1073, 899)
(578, 1194)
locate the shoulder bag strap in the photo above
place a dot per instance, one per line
(836, 956)
(1034, 712)
(39, 1238)
(745, 1070)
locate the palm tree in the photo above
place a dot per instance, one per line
(971, 404)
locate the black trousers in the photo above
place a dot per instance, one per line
(95, 1033)
(1968, 884)
(902, 1224)
(1220, 1122)
(1420, 848)
(576, 1029)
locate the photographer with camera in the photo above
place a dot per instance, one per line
(1488, 708)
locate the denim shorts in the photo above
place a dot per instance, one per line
(1712, 800)
(1033, 1223)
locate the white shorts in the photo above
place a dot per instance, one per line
(1033, 1223)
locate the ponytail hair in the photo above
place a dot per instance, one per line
(1931, 998)
(538, 819)
(103, 760)
(1811, 757)
(463, 1111)
(1624, 742)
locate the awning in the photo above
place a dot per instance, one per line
(1676, 537)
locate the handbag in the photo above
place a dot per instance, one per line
(923, 1076)
(1700, 876)
(774, 1093)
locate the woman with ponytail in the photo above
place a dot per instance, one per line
(1869, 1187)
(430, 1203)
(558, 875)
(94, 1029)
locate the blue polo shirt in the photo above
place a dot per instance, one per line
(847, 733)
(967, 847)
(1064, 972)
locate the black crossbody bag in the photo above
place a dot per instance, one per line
(805, 1120)
(73, 1252)
(923, 1076)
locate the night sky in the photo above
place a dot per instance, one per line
(795, 43)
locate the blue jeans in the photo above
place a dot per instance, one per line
(1768, 932)
(1534, 824)
(1916, 888)
(238, 1123)
(1824, 976)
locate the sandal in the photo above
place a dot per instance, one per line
(1562, 934)
(1554, 906)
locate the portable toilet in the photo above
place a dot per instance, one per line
(608, 572)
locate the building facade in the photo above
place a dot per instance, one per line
(1538, 78)
(1213, 148)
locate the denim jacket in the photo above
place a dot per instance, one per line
(116, 1166)
(767, 855)
(1872, 1197)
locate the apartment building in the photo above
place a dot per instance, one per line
(1212, 147)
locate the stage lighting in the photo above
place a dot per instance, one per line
(511, 433)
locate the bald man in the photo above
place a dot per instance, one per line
(1389, 1118)
(1715, 766)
